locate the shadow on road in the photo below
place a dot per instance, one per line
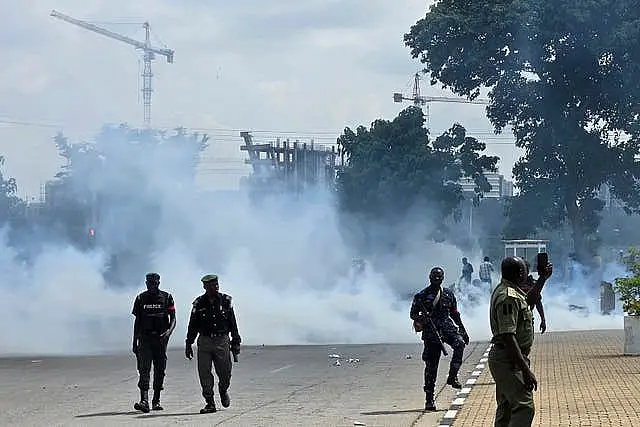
(171, 414)
(399, 411)
(141, 415)
(107, 414)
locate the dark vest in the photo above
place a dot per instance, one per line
(153, 312)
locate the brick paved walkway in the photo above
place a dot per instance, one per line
(583, 380)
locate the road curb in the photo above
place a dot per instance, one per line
(462, 395)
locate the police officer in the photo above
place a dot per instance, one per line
(511, 322)
(155, 320)
(435, 313)
(213, 319)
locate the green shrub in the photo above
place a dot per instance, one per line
(628, 288)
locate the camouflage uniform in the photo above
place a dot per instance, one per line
(509, 313)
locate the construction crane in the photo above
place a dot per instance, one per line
(149, 53)
(419, 100)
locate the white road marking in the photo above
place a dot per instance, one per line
(281, 369)
(451, 413)
(458, 401)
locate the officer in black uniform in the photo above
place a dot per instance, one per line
(434, 311)
(155, 315)
(213, 319)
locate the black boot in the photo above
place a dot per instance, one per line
(209, 408)
(429, 404)
(155, 402)
(143, 405)
(453, 381)
(224, 398)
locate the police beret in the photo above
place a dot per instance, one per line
(209, 278)
(153, 276)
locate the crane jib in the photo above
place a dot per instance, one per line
(145, 46)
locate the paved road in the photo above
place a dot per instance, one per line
(271, 386)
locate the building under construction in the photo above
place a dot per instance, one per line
(284, 166)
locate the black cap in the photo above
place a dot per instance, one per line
(153, 277)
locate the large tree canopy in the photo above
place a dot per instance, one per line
(564, 75)
(393, 167)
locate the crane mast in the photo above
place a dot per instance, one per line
(148, 50)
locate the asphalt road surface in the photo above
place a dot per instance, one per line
(271, 386)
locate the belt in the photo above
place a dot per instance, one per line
(217, 334)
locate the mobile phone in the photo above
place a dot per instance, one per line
(542, 260)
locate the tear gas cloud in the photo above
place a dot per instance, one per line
(286, 263)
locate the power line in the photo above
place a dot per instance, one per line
(230, 135)
(24, 123)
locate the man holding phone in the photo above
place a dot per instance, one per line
(527, 287)
(511, 322)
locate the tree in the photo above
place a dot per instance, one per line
(393, 168)
(563, 74)
(120, 185)
(11, 206)
(628, 288)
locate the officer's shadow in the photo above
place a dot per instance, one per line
(107, 414)
(169, 414)
(154, 415)
(396, 412)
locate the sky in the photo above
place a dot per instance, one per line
(280, 68)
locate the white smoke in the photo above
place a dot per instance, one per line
(569, 302)
(286, 263)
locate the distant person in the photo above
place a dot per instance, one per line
(155, 315)
(484, 271)
(434, 312)
(213, 319)
(526, 287)
(467, 271)
(511, 322)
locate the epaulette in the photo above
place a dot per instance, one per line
(514, 294)
(228, 300)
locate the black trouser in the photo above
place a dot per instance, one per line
(431, 357)
(151, 349)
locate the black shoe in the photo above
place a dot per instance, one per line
(156, 406)
(453, 382)
(143, 406)
(209, 408)
(429, 405)
(225, 399)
